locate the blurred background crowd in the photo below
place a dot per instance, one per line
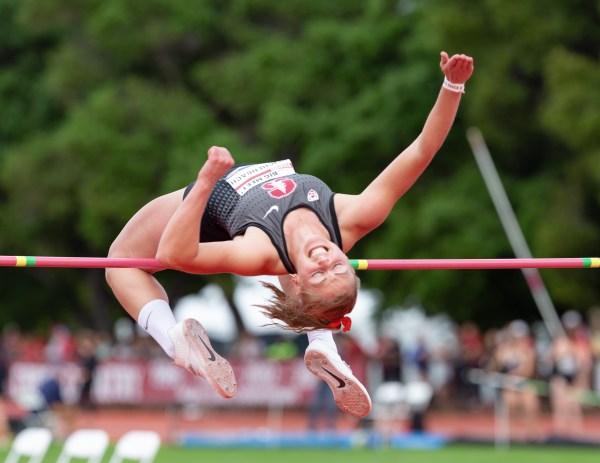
(466, 369)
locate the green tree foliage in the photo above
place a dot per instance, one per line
(26, 106)
(535, 102)
(107, 104)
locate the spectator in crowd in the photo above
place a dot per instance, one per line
(418, 362)
(567, 365)
(470, 355)
(4, 365)
(86, 356)
(60, 346)
(53, 411)
(594, 322)
(389, 355)
(515, 357)
(420, 358)
(573, 324)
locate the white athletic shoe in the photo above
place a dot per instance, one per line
(350, 395)
(194, 352)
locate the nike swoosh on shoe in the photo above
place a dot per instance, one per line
(211, 353)
(341, 382)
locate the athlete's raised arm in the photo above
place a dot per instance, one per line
(382, 193)
(178, 247)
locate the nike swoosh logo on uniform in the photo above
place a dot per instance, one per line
(211, 357)
(271, 209)
(341, 382)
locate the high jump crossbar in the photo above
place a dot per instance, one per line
(359, 264)
(466, 264)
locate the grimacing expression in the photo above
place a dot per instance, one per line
(324, 269)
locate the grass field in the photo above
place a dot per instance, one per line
(449, 454)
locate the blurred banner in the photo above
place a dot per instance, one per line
(158, 382)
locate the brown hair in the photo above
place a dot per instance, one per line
(306, 311)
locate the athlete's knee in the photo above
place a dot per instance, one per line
(110, 274)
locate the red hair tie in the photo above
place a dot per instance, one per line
(343, 322)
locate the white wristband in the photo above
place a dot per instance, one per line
(457, 88)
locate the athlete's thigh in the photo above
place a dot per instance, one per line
(141, 235)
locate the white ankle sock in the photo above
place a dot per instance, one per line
(324, 335)
(155, 318)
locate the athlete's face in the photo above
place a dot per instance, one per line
(324, 269)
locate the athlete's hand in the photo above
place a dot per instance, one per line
(457, 69)
(218, 163)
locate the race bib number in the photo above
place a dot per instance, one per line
(244, 178)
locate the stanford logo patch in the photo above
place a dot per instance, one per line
(280, 187)
(312, 195)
